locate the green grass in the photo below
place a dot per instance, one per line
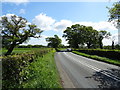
(116, 62)
(19, 50)
(42, 73)
(62, 48)
(116, 50)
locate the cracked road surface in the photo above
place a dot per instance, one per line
(81, 72)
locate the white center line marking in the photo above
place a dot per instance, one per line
(95, 68)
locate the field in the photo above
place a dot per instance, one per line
(19, 50)
(30, 68)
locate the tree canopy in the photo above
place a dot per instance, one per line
(77, 35)
(15, 30)
(103, 34)
(114, 14)
(54, 42)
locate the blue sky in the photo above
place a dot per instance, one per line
(75, 11)
(54, 17)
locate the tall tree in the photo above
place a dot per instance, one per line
(74, 35)
(103, 34)
(114, 16)
(15, 31)
(54, 42)
(91, 37)
(79, 35)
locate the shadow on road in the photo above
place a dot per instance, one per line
(105, 78)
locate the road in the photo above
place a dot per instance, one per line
(86, 73)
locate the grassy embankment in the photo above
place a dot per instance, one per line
(104, 59)
(40, 73)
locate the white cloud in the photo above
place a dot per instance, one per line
(64, 42)
(48, 23)
(103, 25)
(44, 22)
(60, 26)
(8, 16)
(114, 38)
(22, 11)
(38, 41)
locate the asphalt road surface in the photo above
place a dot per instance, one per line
(87, 73)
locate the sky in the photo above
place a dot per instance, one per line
(53, 17)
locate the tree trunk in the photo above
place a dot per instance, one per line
(10, 50)
(101, 45)
(76, 45)
(112, 44)
(88, 45)
(119, 36)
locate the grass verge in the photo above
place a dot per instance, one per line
(111, 61)
(42, 73)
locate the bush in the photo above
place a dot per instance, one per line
(42, 73)
(12, 65)
(112, 54)
(104, 59)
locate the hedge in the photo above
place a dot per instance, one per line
(12, 65)
(111, 54)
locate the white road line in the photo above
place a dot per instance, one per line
(95, 68)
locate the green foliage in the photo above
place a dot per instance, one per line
(115, 14)
(54, 42)
(101, 35)
(79, 35)
(104, 59)
(116, 47)
(20, 50)
(75, 35)
(15, 31)
(13, 65)
(42, 73)
(111, 54)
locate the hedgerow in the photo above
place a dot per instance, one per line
(104, 59)
(111, 54)
(12, 65)
(42, 73)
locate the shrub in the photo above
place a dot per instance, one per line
(12, 65)
(112, 54)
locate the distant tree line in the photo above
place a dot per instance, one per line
(117, 46)
(31, 46)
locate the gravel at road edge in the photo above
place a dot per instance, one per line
(65, 80)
